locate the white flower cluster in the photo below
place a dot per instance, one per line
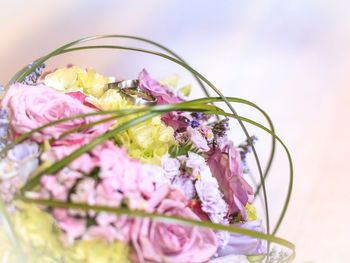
(193, 177)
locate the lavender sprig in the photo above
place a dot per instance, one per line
(32, 78)
(245, 148)
(4, 124)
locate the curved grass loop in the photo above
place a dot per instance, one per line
(146, 113)
(66, 48)
(161, 217)
(196, 107)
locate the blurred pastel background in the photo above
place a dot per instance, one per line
(291, 57)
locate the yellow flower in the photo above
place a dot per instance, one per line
(41, 242)
(110, 100)
(148, 141)
(251, 210)
(78, 79)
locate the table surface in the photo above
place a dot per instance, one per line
(291, 57)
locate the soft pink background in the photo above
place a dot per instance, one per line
(291, 57)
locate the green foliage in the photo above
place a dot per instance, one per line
(179, 150)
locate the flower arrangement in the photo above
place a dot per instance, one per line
(99, 169)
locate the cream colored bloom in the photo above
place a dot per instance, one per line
(41, 242)
(148, 141)
(77, 79)
(110, 100)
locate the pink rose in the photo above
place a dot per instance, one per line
(33, 106)
(164, 242)
(123, 225)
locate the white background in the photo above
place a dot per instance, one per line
(291, 57)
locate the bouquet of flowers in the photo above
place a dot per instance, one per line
(103, 169)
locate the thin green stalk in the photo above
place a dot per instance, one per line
(166, 108)
(218, 112)
(205, 80)
(24, 136)
(117, 114)
(199, 77)
(217, 91)
(173, 107)
(162, 218)
(24, 71)
(86, 126)
(268, 119)
(64, 49)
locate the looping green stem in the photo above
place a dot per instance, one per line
(195, 107)
(162, 218)
(65, 49)
(201, 79)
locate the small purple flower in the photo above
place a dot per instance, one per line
(16, 167)
(20, 161)
(212, 202)
(194, 124)
(223, 237)
(22, 151)
(171, 167)
(198, 115)
(186, 186)
(195, 163)
(198, 139)
(245, 245)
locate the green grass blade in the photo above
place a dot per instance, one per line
(65, 49)
(161, 217)
(200, 107)
(19, 76)
(205, 80)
